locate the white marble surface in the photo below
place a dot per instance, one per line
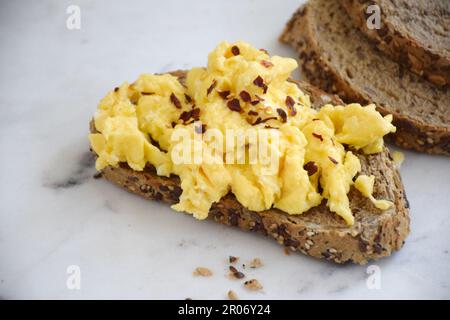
(53, 214)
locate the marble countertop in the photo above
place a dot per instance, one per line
(58, 225)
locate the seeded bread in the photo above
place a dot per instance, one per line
(318, 232)
(414, 33)
(338, 58)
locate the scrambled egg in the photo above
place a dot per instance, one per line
(242, 88)
(398, 157)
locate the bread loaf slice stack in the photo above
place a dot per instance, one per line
(413, 33)
(403, 67)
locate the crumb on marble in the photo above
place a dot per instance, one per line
(235, 273)
(253, 285)
(255, 263)
(232, 295)
(202, 271)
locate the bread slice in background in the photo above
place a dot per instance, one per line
(413, 33)
(338, 58)
(318, 232)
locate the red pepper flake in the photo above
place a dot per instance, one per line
(175, 101)
(224, 94)
(311, 168)
(147, 93)
(211, 87)
(252, 113)
(282, 114)
(333, 160)
(245, 96)
(264, 50)
(188, 98)
(315, 119)
(195, 114)
(266, 63)
(236, 273)
(192, 114)
(318, 136)
(259, 120)
(235, 50)
(290, 104)
(185, 115)
(233, 269)
(116, 89)
(234, 105)
(258, 100)
(200, 128)
(174, 124)
(259, 82)
(267, 119)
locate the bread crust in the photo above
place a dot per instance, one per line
(318, 233)
(401, 46)
(422, 137)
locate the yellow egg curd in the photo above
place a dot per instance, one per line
(242, 88)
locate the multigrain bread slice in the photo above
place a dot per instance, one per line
(338, 58)
(318, 232)
(413, 33)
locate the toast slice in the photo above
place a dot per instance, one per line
(413, 33)
(318, 232)
(338, 58)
